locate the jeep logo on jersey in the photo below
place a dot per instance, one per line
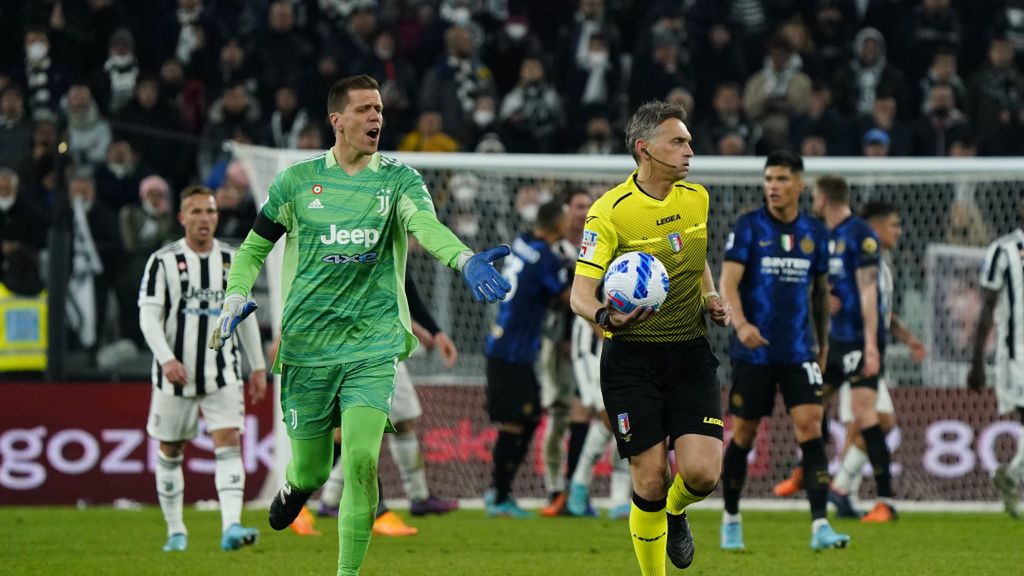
(354, 259)
(367, 237)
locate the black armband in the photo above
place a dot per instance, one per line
(267, 228)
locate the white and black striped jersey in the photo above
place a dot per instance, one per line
(1004, 273)
(189, 289)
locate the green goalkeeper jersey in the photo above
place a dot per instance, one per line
(343, 274)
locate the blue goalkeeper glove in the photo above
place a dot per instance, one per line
(234, 310)
(482, 279)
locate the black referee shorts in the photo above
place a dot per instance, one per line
(752, 394)
(657, 389)
(513, 393)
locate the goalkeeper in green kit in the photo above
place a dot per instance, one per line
(346, 214)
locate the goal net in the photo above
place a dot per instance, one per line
(947, 441)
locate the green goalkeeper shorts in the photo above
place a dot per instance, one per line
(313, 397)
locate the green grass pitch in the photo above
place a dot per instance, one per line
(106, 541)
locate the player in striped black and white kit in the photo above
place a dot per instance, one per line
(1002, 282)
(180, 299)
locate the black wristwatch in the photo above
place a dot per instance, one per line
(603, 318)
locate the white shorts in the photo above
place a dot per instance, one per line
(405, 405)
(554, 371)
(176, 418)
(586, 364)
(1009, 386)
(883, 404)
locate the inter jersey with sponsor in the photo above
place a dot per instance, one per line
(780, 262)
(673, 230)
(345, 255)
(537, 274)
(852, 245)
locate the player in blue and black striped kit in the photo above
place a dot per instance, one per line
(775, 276)
(538, 277)
(857, 338)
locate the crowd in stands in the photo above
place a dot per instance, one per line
(123, 103)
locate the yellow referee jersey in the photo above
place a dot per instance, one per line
(673, 230)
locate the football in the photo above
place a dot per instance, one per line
(635, 279)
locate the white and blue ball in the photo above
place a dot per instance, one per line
(636, 279)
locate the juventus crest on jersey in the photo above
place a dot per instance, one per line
(190, 289)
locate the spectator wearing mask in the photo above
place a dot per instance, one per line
(428, 136)
(117, 181)
(15, 128)
(854, 87)
(23, 227)
(145, 226)
(593, 85)
(89, 134)
(574, 40)
(44, 77)
(933, 132)
(483, 121)
(114, 83)
(531, 113)
(456, 81)
(780, 90)
(505, 49)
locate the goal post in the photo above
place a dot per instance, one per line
(951, 209)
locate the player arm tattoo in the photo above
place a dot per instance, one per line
(867, 287)
(985, 321)
(820, 308)
(729, 283)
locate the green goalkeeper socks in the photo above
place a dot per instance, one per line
(362, 429)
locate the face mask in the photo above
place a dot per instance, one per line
(384, 53)
(529, 212)
(468, 228)
(464, 194)
(6, 202)
(516, 31)
(460, 15)
(36, 51)
(597, 58)
(118, 169)
(122, 60)
(483, 117)
(86, 204)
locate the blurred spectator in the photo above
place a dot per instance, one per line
(145, 226)
(115, 81)
(235, 111)
(286, 121)
(39, 161)
(875, 143)
(235, 204)
(189, 35)
(574, 40)
(997, 89)
(315, 85)
(885, 116)
(484, 121)
(822, 120)
(778, 91)
(490, 143)
(117, 181)
(505, 49)
(963, 146)
(656, 72)
(1007, 139)
(933, 130)
(682, 97)
(747, 21)
(354, 40)
(311, 137)
(186, 94)
(855, 86)
(234, 66)
(89, 133)
(96, 249)
(531, 113)
(730, 144)
(813, 145)
(942, 71)
(935, 25)
(966, 226)
(398, 85)
(599, 137)
(795, 32)
(15, 128)
(43, 76)
(831, 43)
(456, 81)
(283, 50)
(592, 85)
(153, 125)
(727, 117)
(23, 227)
(719, 59)
(428, 136)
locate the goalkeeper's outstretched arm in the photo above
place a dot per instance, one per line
(251, 255)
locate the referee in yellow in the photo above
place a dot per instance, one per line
(657, 369)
